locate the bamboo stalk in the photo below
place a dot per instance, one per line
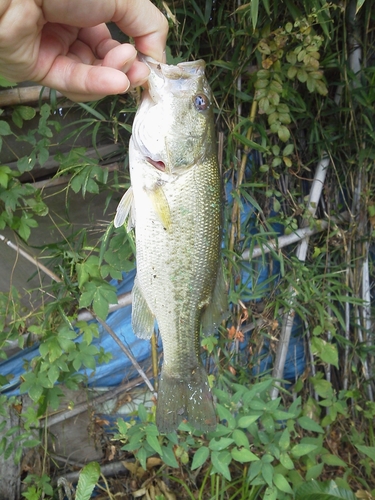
(22, 95)
(288, 319)
(241, 173)
(366, 296)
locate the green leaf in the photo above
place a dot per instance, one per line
(333, 460)
(25, 223)
(154, 443)
(26, 112)
(220, 444)
(92, 111)
(31, 443)
(100, 294)
(286, 461)
(225, 414)
(314, 490)
(321, 87)
(142, 457)
(367, 450)
(309, 425)
(288, 150)
(359, 5)
(243, 455)
(325, 350)
(4, 128)
(254, 6)
(4, 82)
(249, 143)
(3, 445)
(88, 478)
(220, 462)
(322, 387)
(267, 473)
(284, 441)
(247, 420)
(200, 456)
(303, 449)
(4, 178)
(282, 484)
(270, 493)
(240, 439)
(314, 471)
(88, 269)
(26, 163)
(168, 456)
(283, 133)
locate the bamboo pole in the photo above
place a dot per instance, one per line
(23, 95)
(288, 318)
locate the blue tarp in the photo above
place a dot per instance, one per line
(105, 375)
(120, 367)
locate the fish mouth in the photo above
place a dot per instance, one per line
(158, 164)
(181, 71)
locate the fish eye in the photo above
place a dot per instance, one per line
(201, 102)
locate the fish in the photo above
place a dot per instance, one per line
(174, 204)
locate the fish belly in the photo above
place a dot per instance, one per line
(176, 271)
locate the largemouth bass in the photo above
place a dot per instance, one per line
(175, 205)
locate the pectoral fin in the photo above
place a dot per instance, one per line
(125, 210)
(160, 205)
(142, 317)
(217, 309)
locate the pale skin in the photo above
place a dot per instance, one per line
(66, 45)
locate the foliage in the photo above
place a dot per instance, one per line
(87, 480)
(285, 96)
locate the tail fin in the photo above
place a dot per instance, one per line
(185, 399)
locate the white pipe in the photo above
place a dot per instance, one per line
(288, 318)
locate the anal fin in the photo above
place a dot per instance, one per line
(217, 309)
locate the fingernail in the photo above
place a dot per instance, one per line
(127, 88)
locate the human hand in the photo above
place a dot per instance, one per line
(65, 45)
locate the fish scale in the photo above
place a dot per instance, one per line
(176, 207)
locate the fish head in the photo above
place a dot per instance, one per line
(174, 128)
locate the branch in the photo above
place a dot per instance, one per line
(127, 352)
(31, 259)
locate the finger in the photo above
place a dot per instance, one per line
(121, 57)
(147, 25)
(99, 39)
(139, 19)
(138, 74)
(93, 82)
(81, 53)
